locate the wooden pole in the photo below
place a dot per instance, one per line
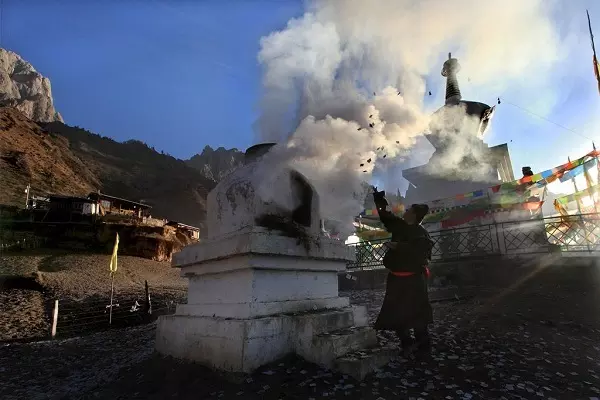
(148, 304)
(578, 201)
(596, 196)
(27, 189)
(576, 190)
(54, 319)
(491, 210)
(591, 32)
(596, 72)
(112, 287)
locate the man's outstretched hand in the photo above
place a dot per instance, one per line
(379, 198)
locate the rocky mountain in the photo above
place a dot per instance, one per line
(25, 89)
(37, 148)
(133, 170)
(28, 155)
(216, 164)
(60, 159)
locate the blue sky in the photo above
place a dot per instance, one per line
(183, 74)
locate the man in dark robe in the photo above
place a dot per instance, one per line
(406, 304)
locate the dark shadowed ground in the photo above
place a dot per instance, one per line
(538, 338)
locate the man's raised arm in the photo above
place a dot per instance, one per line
(389, 220)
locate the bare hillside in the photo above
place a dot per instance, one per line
(135, 171)
(28, 155)
(29, 283)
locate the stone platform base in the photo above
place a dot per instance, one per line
(324, 337)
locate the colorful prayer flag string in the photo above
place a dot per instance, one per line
(564, 200)
(529, 182)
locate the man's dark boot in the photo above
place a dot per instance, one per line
(423, 341)
(406, 342)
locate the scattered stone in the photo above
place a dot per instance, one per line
(408, 379)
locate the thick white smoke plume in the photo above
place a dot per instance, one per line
(344, 84)
(465, 156)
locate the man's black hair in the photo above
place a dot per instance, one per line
(421, 211)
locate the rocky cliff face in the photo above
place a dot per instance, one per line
(25, 89)
(216, 164)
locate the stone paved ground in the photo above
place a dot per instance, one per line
(538, 340)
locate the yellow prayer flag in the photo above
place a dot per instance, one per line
(113, 259)
(560, 208)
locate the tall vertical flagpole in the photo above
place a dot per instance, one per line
(596, 66)
(578, 200)
(113, 269)
(112, 291)
(576, 190)
(595, 195)
(591, 32)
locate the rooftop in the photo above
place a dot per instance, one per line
(102, 196)
(182, 225)
(59, 197)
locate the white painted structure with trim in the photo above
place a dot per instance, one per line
(256, 295)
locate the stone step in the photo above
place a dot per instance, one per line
(315, 323)
(325, 348)
(361, 363)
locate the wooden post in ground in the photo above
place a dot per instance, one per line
(148, 303)
(54, 319)
(112, 287)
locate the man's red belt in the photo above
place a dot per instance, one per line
(405, 274)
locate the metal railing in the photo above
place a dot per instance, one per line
(574, 234)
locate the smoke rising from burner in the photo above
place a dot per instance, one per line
(346, 84)
(465, 158)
